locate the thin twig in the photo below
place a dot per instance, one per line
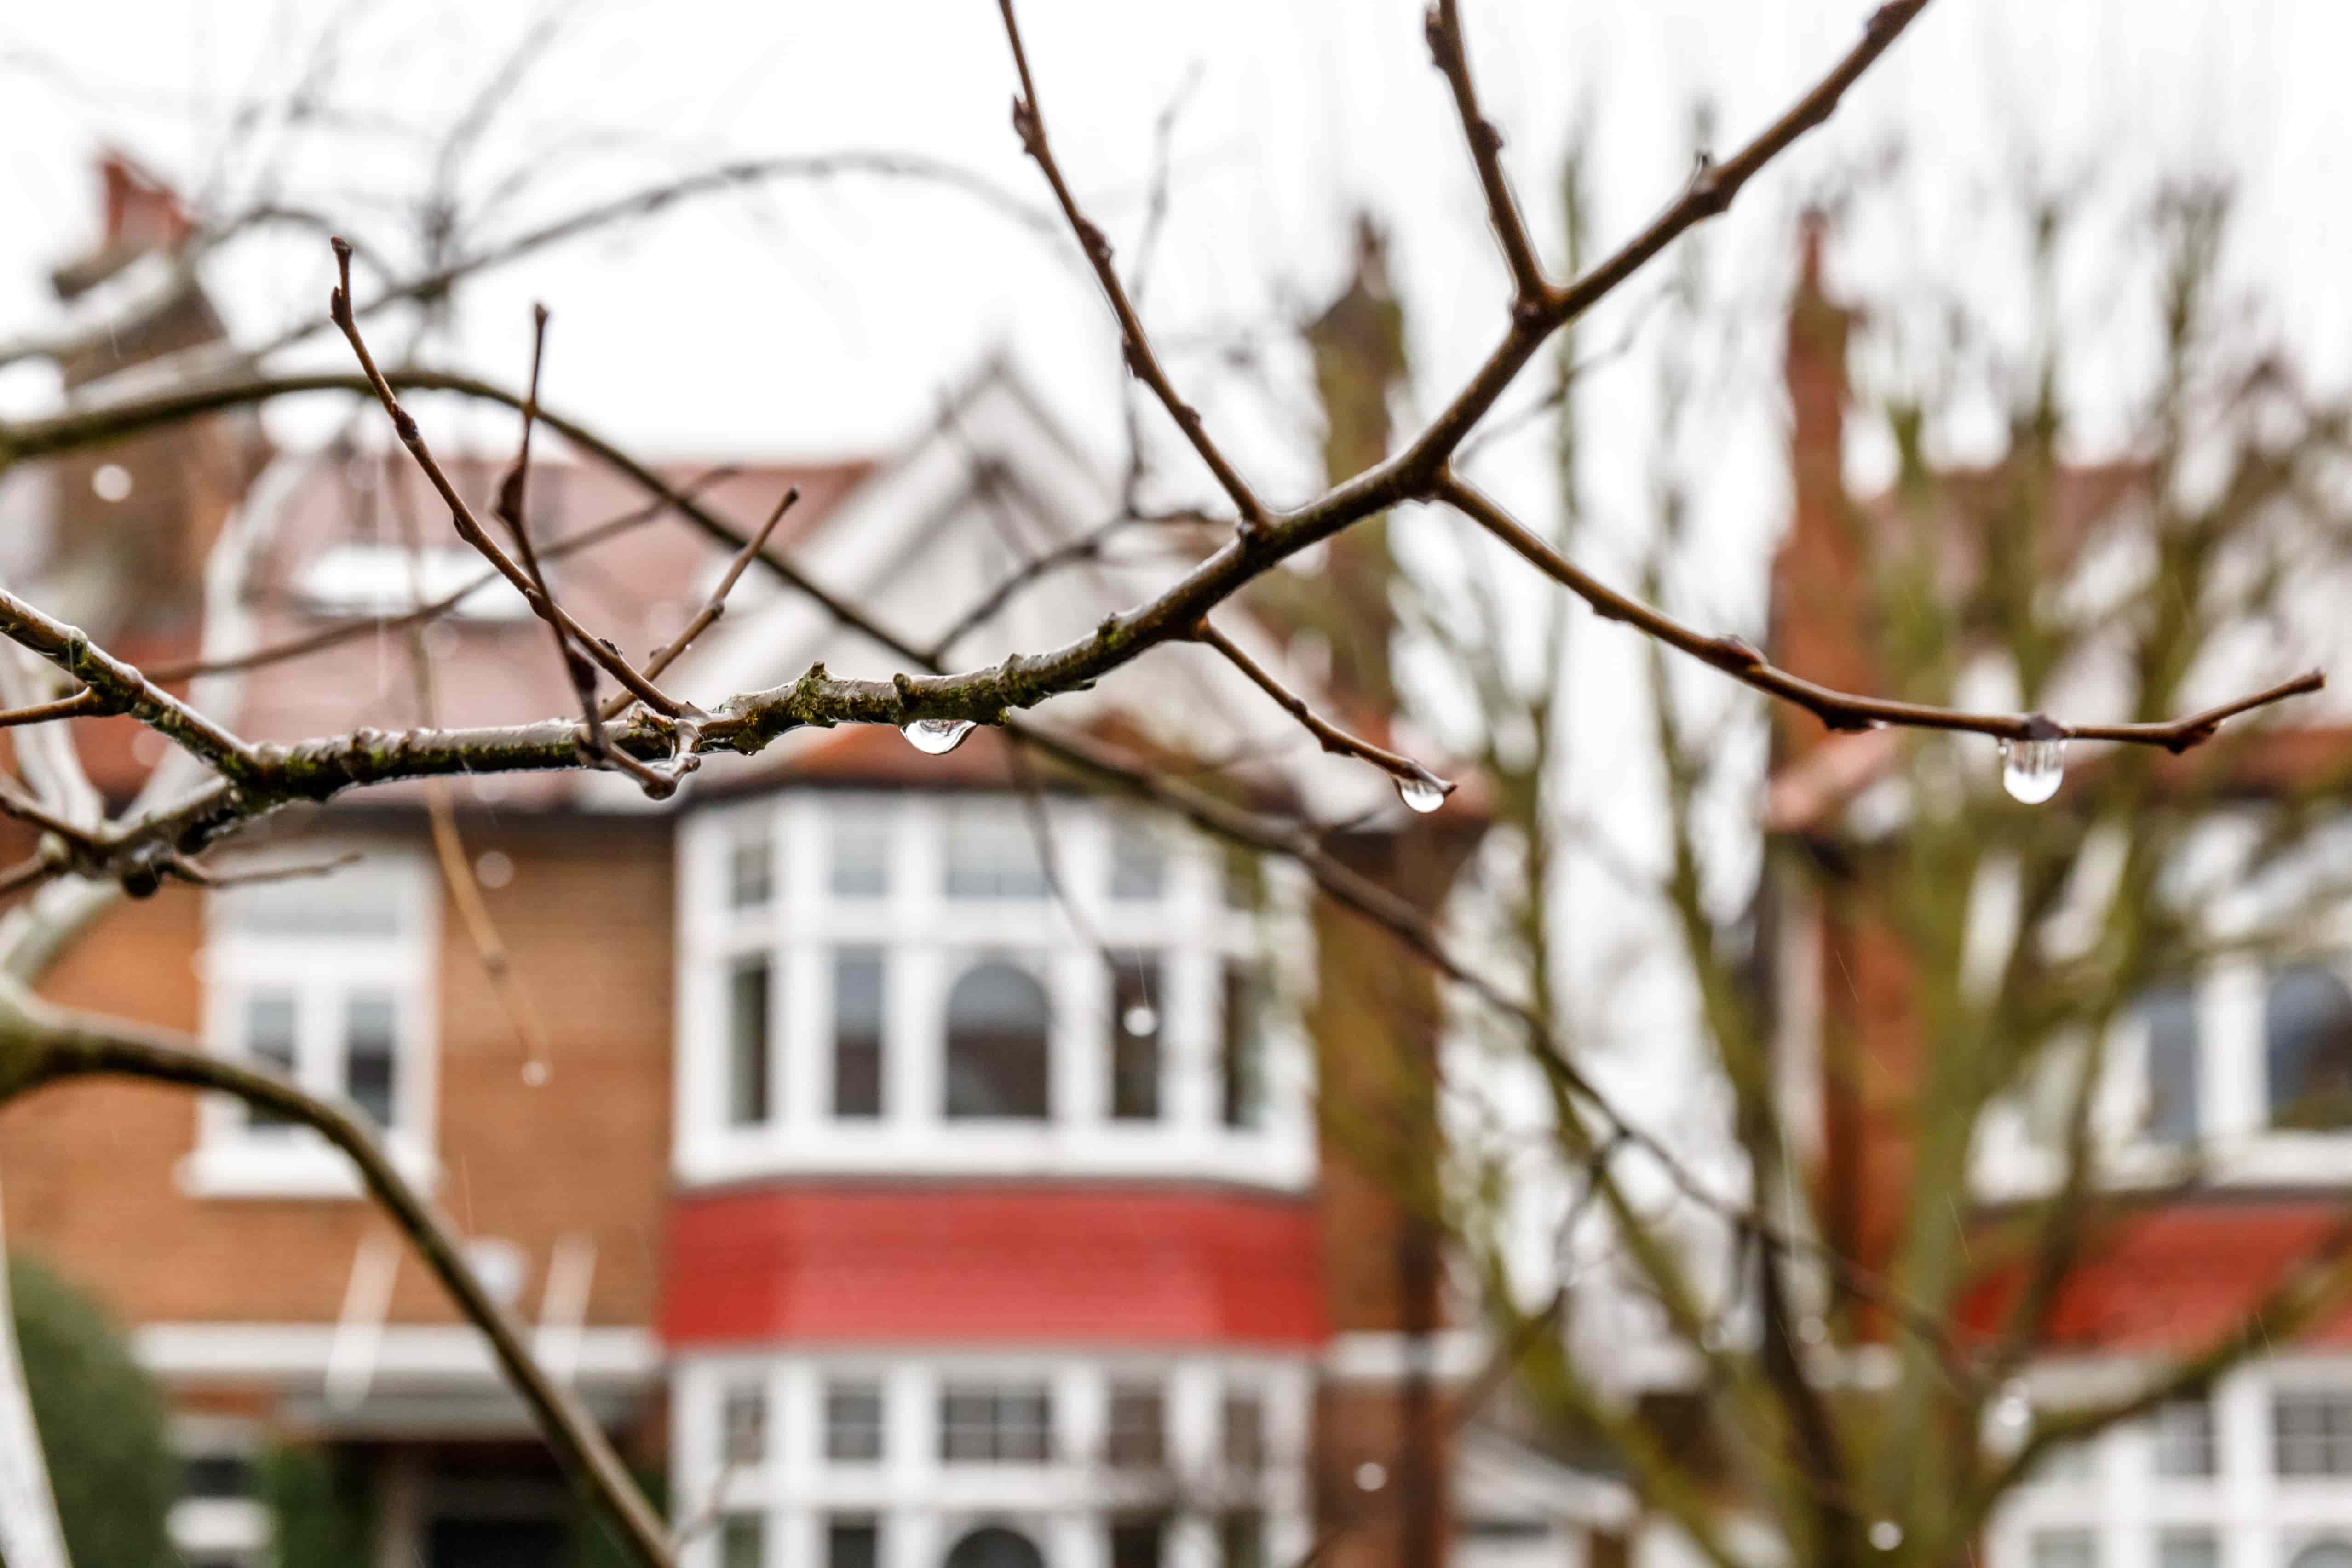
(432, 609)
(1029, 124)
(1741, 660)
(469, 527)
(84, 701)
(1330, 735)
(1442, 26)
(205, 877)
(120, 688)
(716, 605)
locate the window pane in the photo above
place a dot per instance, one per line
(1135, 1025)
(1245, 879)
(1024, 1425)
(1241, 1539)
(998, 1021)
(747, 1041)
(852, 1423)
(2308, 1048)
(852, 1544)
(744, 1425)
(992, 856)
(984, 1424)
(2170, 1014)
(1242, 1435)
(2312, 1433)
(1137, 1426)
(2064, 1549)
(860, 837)
(743, 1540)
(2187, 1549)
(857, 975)
(1139, 860)
(1241, 1051)
(2184, 1438)
(217, 1475)
(751, 877)
(1135, 1541)
(370, 1041)
(270, 1045)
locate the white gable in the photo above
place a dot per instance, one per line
(921, 541)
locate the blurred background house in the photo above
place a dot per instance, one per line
(924, 1163)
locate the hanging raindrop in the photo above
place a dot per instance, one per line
(1423, 794)
(2030, 770)
(1139, 1021)
(2010, 1408)
(1886, 1535)
(937, 736)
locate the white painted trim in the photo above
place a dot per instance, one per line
(1449, 1355)
(207, 1526)
(299, 1353)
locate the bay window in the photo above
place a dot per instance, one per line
(921, 982)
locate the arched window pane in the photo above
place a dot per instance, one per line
(2307, 1048)
(2170, 1015)
(998, 1019)
(993, 1546)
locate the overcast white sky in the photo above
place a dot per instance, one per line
(815, 320)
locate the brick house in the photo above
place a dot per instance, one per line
(932, 1163)
(2235, 1065)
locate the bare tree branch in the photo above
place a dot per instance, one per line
(1741, 660)
(1029, 124)
(1330, 736)
(1443, 25)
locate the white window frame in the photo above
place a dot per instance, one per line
(2260, 1517)
(926, 939)
(232, 1159)
(924, 1505)
(2235, 1145)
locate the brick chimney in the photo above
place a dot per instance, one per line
(1819, 625)
(129, 525)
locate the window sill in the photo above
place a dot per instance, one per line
(301, 1167)
(2266, 1159)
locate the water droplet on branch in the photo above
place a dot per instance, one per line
(2030, 770)
(937, 736)
(534, 1073)
(1886, 1535)
(1423, 794)
(1139, 1021)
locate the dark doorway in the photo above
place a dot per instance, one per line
(495, 1543)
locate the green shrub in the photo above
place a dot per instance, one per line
(101, 1423)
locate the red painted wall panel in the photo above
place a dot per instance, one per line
(2173, 1277)
(993, 1264)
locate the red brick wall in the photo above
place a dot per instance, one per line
(89, 1169)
